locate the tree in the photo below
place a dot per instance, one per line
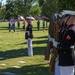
(66, 5)
(56, 6)
(49, 7)
(35, 9)
(41, 2)
(21, 7)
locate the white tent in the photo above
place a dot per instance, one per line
(30, 18)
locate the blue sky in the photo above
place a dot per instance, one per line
(3, 1)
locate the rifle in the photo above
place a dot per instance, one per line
(47, 52)
(56, 37)
(55, 53)
(49, 44)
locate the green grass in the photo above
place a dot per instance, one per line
(14, 49)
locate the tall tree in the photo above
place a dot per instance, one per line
(56, 6)
(49, 7)
(22, 7)
(41, 2)
(66, 5)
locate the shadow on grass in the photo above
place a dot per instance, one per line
(21, 28)
(29, 70)
(40, 42)
(41, 37)
(40, 29)
(13, 53)
(36, 42)
(3, 28)
(34, 29)
(21, 52)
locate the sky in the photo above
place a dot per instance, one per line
(3, 2)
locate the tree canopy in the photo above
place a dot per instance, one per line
(34, 7)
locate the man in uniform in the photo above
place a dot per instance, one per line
(28, 37)
(66, 46)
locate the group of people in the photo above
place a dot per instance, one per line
(65, 59)
(11, 24)
(64, 46)
(28, 32)
(43, 24)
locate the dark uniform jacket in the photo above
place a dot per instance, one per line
(66, 52)
(28, 33)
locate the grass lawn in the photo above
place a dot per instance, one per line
(13, 51)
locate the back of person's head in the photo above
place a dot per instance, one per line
(29, 22)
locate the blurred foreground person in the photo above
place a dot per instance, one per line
(66, 46)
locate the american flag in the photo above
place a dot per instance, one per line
(21, 18)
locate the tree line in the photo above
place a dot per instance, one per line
(34, 7)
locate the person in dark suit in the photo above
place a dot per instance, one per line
(18, 24)
(9, 26)
(28, 37)
(66, 49)
(43, 25)
(38, 24)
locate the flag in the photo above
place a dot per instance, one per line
(21, 18)
(24, 21)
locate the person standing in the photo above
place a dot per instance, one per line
(66, 49)
(9, 26)
(13, 24)
(18, 24)
(43, 25)
(23, 24)
(38, 24)
(28, 37)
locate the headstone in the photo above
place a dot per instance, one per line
(21, 61)
(3, 64)
(16, 66)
